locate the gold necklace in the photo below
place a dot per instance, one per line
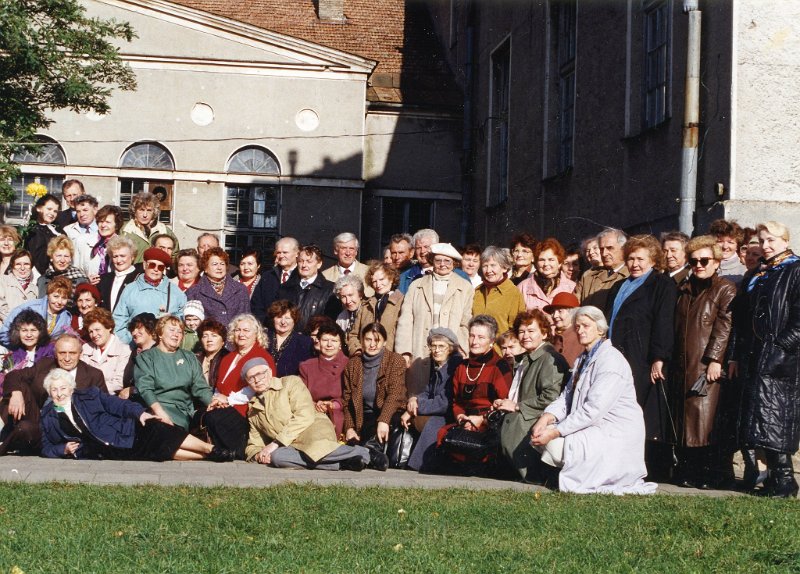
(478, 376)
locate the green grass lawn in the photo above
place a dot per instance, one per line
(59, 528)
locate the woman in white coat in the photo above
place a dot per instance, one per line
(439, 299)
(594, 431)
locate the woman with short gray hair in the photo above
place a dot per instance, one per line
(349, 289)
(497, 295)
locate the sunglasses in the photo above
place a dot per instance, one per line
(155, 265)
(703, 261)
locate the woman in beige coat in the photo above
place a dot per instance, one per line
(440, 299)
(19, 285)
(286, 431)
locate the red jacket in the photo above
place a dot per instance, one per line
(231, 382)
(478, 381)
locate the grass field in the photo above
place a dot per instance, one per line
(59, 528)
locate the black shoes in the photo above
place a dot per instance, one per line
(218, 454)
(378, 460)
(354, 463)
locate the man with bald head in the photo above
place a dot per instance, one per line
(283, 273)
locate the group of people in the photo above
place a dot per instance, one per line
(599, 368)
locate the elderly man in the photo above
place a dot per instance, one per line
(423, 239)
(84, 230)
(401, 246)
(283, 273)
(24, 394)
(674, 245)
(151, 292)
(313, 294)
(345, 248)
(71, 189)
(596, 284)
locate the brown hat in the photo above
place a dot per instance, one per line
(563, 300)
(156, 254)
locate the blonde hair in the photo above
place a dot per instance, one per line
(775, 228)
(60, 242)
(261, 336)
(704, 242)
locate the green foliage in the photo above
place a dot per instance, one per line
(52, 57)
(72, 528)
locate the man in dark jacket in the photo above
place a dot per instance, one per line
(313, 294)
(284, 273)
(70, 191)
(24, 394)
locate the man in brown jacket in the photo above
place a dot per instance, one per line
(596, 284)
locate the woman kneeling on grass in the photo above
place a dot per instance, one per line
(594, 431)
(91, 424)
(286, 431)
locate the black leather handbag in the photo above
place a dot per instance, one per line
(475, 444)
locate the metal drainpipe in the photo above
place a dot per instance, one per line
(691, 121)
(466, 141)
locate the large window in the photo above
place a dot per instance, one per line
(152, 156)
(48, 153)
(567, 36)
(405, 215)
(499, 107)
(251, 210)
(657, 64)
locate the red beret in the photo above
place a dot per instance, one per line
(562, 300)
(156, 254)
(88, 288)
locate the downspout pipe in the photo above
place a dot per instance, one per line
(691, 121)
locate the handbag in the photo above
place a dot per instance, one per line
(474, 444)
(398, 448)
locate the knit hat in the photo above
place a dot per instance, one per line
(156, 254)
(445, 249)
(194, 308)
(255, 362)
(444, 332)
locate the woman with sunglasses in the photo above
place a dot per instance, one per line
(150, 292)
(702, 330)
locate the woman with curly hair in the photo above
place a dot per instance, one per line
(144, 224)
(288, 346)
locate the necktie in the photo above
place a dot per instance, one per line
(347, 272)
(284, 277)
(51, 324)
(303, 284)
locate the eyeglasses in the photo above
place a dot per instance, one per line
(439, 347)
(257, 378)
(155, 265)
(703, 261)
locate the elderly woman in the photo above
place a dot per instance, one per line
(18, 286)
(288, 346)
(384, 306)
(702, 331)
(640, 312)
(594, 430)
(324, 375)
(122, 253)
(104, 350)
(60, 252)
(169, 380)
(212, 335)
(350, 291)
(144, 224)
(768, 360)
(188, 262)
(590, 249)
(522, 247)
(564, 338)
(142, 329)
(29, 341)
(249, 273)
(539, 376)
(87, 424)
(549, 279)
(52, 308)
(312, 330)
(479, 380)
(95, 260)
(497, 296)
(46, 210)
(150, 292)
(223, 297)
(430, 387)
(374, 390)
(226, 418)
(286, 431)
(9, 239)
(87, 298)
(571, 267)
(509, 347)
(439, 299)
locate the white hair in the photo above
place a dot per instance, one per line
(621, 236)
(593, 314)
(352, 280)
(345, 237)
(58, 375)
(425, 233)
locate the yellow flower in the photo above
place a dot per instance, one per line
(36, 190)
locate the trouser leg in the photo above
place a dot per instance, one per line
(344, 452)
(289, 457)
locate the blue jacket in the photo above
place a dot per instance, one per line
(141, 297)
(63, 319)
(110, 420)
(415, 272)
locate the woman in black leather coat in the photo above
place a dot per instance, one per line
(770, 351)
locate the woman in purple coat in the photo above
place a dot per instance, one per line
(223, 297)
(323, 375)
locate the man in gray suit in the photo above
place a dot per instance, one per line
(345, 247)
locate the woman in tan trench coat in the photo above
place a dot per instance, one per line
(702, 330)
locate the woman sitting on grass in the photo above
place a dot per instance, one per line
(89, 423)
(594, 431)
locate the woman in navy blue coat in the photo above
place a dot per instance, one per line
(92, 424)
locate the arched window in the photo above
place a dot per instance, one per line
(251, 210)
(253, 160)
(49, 153)
(148, 155)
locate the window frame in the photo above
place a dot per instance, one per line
(499, 124)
